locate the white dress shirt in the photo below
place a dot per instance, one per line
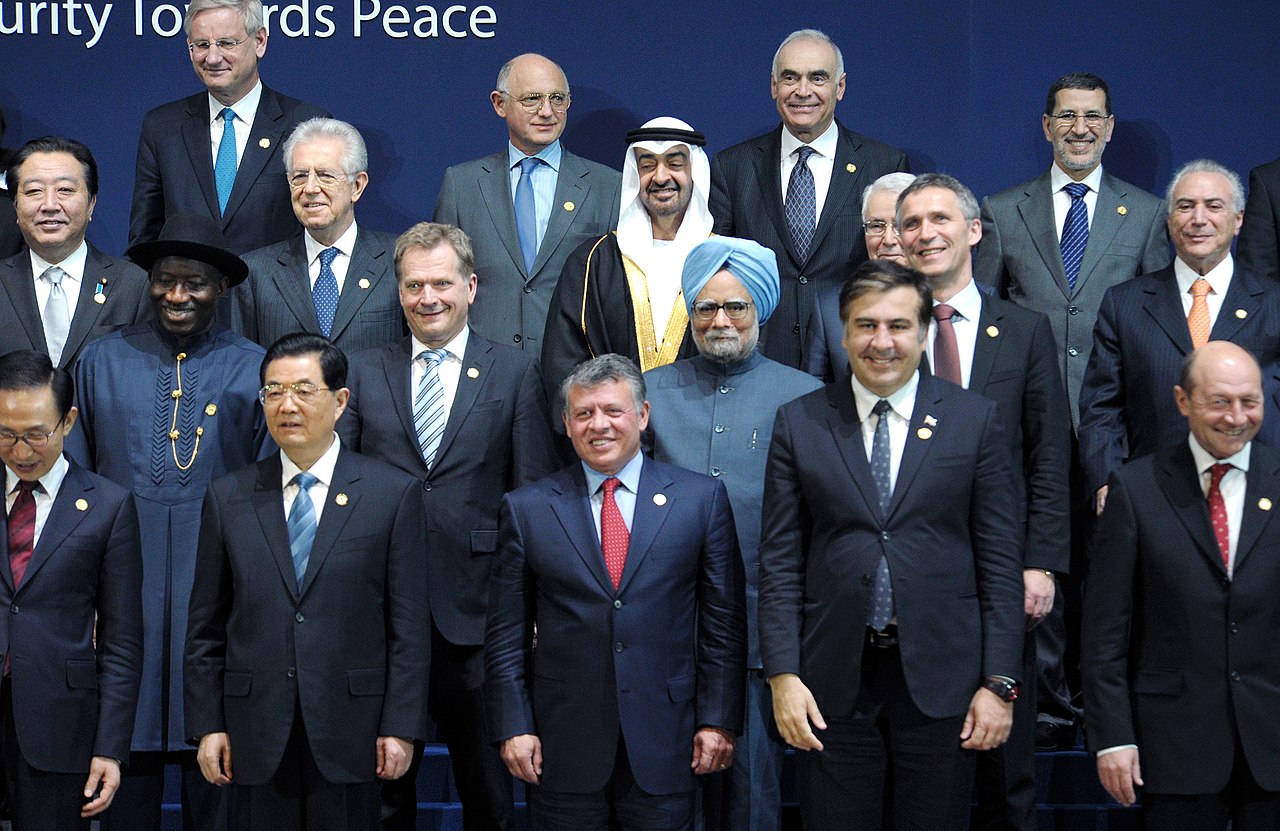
(51, 482)
(1062, 200)
(322, 470)
(1219, 278)
(901, 404)
(73, 266)
(245, 109)
(968, 305)
(821, 163)
(345, 245)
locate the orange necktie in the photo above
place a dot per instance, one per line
(1198, 320)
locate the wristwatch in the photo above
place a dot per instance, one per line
(1006, 688)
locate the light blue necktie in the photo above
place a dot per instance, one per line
(526, 215)
(802, 203)
(224, 169)
(302, 524)
(1075, 232)
(325, 292)
(882, 594)
(428, 404)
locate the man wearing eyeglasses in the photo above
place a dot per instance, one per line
(165, 407)
(335, 278)
(713, 413)
(217, 153)
(527, 208)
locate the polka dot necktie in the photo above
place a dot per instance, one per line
(325, 292)
(614, 536)
(1218, 512)
(882, 593)
(224, 167)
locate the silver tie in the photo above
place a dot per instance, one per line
(57, 323)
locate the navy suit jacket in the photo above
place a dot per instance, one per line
(497, 437)
(1127, 408)
(174, 172)
(652, 661)
(74, 628)
(1258, 248)
(276, 298)
(352, 647)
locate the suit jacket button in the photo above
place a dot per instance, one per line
(299, 617)
(802, 279)
(292, 672)
(617, 604)
(528, 289)
(884, 536)
(426, 486)
(795, 330)
(14, 608)
(1073, 352)
(866, 579)
(1235, 676)
(617, 647)
(1073, 310)
(516, 338)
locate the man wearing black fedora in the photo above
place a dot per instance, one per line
(166, 406)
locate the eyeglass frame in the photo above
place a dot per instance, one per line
(303, 392)
(539, 98)
(224, 45)
(715, 308)
(338, 178)
(7, 444)
(1092, 119)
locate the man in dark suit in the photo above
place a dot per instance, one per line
(891, 587)
(73, 655)
(217, 153)
(496, 436)
(1181, 616)
(1006, 353)
(629, 571)
(523, 223)
(62, 292)
(335, 278)
(1148, 324)
(798, 189)
(1259, 245)
(307, 642)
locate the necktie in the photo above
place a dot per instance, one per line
(882, 594)
(22, 530)
(224, 168)
(302, 525)
(614, 536)
(1198, 320)
(1218, 511)
(428, 404)
(526, 216)
(1075, 232)
(946, 355)
(325, 292)
(56, 320)
(802, 203)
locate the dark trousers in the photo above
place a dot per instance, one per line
(1244, 803)
(38, 800)
(620, 806)
(136, 806)
(299, 798)
(886, 759)
(1006, 783)
(748, 796)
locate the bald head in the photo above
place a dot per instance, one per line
(532, 96)
(1220, 392)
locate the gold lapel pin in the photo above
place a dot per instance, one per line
(82, 505)
(1264, 504)
(992, 332)
(364, 282)
(569, 206)
(340, 499)
(1122, 210)
(659, 499)
(1241, 313)
(930, 421)
(851, 167)
(99, 299)
(264, 143)
(473, 373)
(924, 433)
(211, 409)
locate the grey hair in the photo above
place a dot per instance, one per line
(355, 159)
(968, 202)
(894, 183)
(810, 34)
(601, 370)
(250, 10)
(1208, 166)
(504, 74)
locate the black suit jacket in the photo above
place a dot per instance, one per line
(276, 298)
(11, 241)
(498, 436)
(74, 628)
(174, 172)
(351, 648)
(1259, 245)
(746, 201)
(123, 284)
(1177, 658)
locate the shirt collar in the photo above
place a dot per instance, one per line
(967, 302)
(1219, 276)
(345, 243)
(1058, 178)
(457, 347)
(244, 109)
(73, 264)
(824, 145)
(902, 400)
(1204, 460)
(551, 154)
(51, 481)
(629, 476)
(322, 469)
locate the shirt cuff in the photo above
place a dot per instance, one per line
(1107, 750)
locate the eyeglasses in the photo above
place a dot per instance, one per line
(877, 227)
(532, 102)
(202, 47)
(326, 178)
(304, 392)
(733, 309)
(35, 439)
(1091, 118)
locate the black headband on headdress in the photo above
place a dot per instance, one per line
(691, 137)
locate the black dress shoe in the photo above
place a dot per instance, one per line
(1052, 737)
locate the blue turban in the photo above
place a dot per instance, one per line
(755, 266)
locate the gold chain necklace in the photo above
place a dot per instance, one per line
(173, 426)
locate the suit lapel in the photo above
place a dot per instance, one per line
(64, 516)
(264, 139)
(572, 186)
(841, 190)
(928, 406)
(476, 364)
(985, 347)
(571, 509)
(20, 288)
(293, 281)
(1106, 223)
(335, 516)
(368, 264)
(87, 311)
(5, 571)
(495, 189)
(647, 521)
(1037, 213)
(1176, 475)
(1241, 303)
(196, 132)
(396, 368)
(1165, 307)
(1262, 484)
(769, 177)
(268, 506)
(846, 427)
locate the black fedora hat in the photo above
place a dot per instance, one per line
(196, 238)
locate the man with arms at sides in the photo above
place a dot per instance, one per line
(62, 292)
(335, 278)
(307, 646)
(166, 406)
(629, 571)
(1006, 353)
(1147, 325)
(217, 153)
(1181, 620)
(797, 189)
(890, 575)
(527, 208)
(824, 350)
(714, 413)
(468, 418)
(620, 293)
(72, 582)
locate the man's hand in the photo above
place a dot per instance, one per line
(712, 750)
(214, 755)
(1037, 595)
(104, 772)
(1100, 499)
(523, 755)
(1119, 773)
(394, 756)
(793, 709)
(987, 723)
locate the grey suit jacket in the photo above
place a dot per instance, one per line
(276, 298)
(1019, 256)
(511, 304)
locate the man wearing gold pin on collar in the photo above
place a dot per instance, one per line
(165, 407)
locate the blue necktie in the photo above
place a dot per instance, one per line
(1075, 232)
(302, 525)
(325, 292)
(428, 405)
(882, 594)
(802, 203)
(224, 169)
(526, 215)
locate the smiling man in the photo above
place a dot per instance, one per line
(165, 407)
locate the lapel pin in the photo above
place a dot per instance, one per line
(264, 143)
(211, 409)
(569, 206)
(659, 499)
(992, 332)
(1241, 313)
(340, 499)
(1264, 504)
(924, 433)
(99, 298)
(1122, 210)
(851, 167)
(930, 421)
(82, 505)
(473, 373)
(364, 282)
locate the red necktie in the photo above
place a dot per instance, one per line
(1218, 512)
(614, 536)
(22, 530)
(946, 355)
